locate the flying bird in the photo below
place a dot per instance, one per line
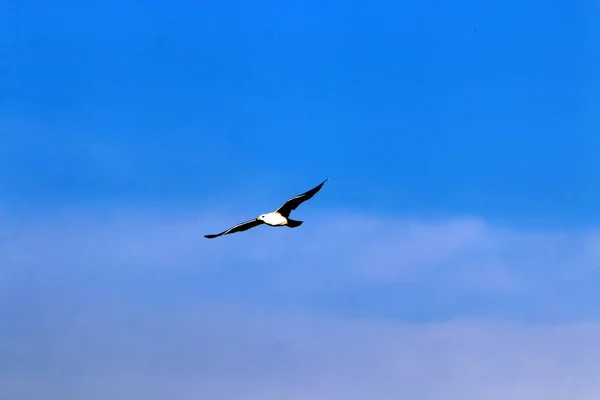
(280, 217)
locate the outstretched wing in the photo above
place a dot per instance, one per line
(294, 202)
(244, 226)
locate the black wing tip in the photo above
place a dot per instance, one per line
(210, 236)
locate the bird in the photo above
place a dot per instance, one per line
(279, 217)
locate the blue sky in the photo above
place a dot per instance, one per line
(460, 142)
(453, 108)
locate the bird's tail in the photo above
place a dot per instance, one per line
(293, 223)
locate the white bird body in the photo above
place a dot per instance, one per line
(273, 219)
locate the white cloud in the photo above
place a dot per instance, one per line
(78, 340)
(465, 251)
(220, 352)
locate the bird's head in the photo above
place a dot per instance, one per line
(261, 217)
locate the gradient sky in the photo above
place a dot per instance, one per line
(461, 144)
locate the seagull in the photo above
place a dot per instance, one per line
(280, 217)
